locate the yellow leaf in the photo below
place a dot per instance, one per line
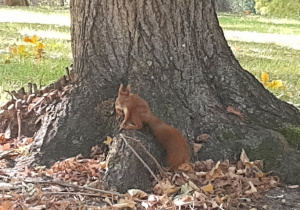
(275, 84)
(208, 188)
(21, 49)
(108, 140)
(14, 50)
(27, 39)
(40, 46)
(34, 39)
(264, 78)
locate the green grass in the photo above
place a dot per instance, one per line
(43, 10)
(281, 63)
(259, 24)
(16, 70)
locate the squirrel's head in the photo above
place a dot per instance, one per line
(123, 95)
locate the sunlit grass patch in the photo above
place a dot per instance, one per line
(20, 61)
(259, 24)
(281, 63)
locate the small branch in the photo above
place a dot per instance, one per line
(72, 193)
(19, 124)
(75, 186)
(36, 104)
(162, 172)
(136, 154)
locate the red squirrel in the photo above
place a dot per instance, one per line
(137, 111)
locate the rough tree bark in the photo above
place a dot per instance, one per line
(174, 54)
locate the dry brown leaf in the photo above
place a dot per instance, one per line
(185, 167)
(193, 186)
(28, 140)
(165, 187)
(232, 170)
(208, 188)
(273, 183)
(215, 172)
(123, 203)
(197, 147)
(200, 196)
(203, 138)
(172, 190)
(215, 205)
(136, 193)
(103, 165)
(5, 147)
(260, 174)
(244, 157)
(205, 165)
(107, 200)
(184, 200)
(259, 164)
(6, 205)
(165, 200)
(252, 189)
(249, 164)
(218, 200)
(2, 138)
(108, 140)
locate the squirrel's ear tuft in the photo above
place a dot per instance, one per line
(121, 88)
(128, 89)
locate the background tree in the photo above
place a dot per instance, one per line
(16, 2)
(174, 55)
(278, 8)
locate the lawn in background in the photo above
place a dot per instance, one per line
(261, 24)
(280, 62)
(20, 62)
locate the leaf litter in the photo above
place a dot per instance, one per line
(76, 183)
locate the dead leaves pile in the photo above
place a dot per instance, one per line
(11, 149)
(78, 171)
(76, 183)
(211, 185)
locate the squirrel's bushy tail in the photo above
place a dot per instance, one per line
(175, 144)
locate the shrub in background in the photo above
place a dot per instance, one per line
(280, 8)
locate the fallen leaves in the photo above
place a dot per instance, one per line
(203, 184)
(274, 84)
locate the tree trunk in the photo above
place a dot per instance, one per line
(175, 56)
(222, 6)
(16, 2)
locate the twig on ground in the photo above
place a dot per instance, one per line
(136, 154)
(75, 186)
(162, 172)
(37, 103)
(19, 124)
(72, 193)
